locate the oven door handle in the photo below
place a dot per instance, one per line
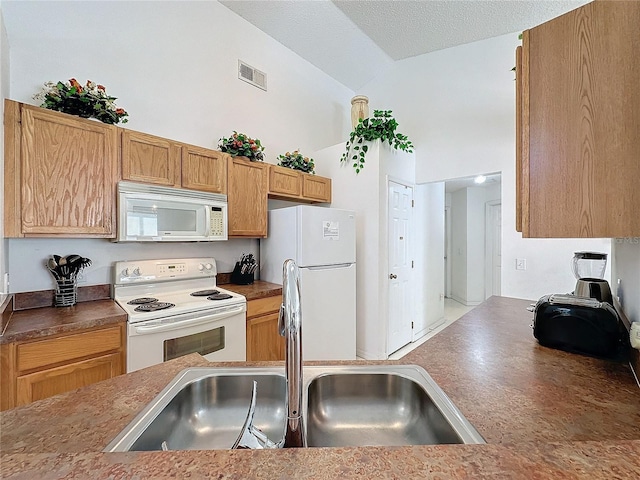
(163, 327)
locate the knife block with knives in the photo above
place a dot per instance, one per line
(243, 271)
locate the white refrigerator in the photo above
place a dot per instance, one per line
(322, 242)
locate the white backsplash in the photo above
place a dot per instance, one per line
(27, 257)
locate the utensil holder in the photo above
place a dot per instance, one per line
(66, 293)
(241, 278)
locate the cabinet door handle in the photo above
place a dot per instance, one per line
(392, 276)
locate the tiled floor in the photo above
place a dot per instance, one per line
(452, 311)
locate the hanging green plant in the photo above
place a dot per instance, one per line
(381, 126)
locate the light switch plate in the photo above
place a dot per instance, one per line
(521, 263)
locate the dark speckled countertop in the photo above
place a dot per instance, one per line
(33, 323)
(258, 289)
(41, 322)
(545, 414)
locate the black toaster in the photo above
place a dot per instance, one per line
(580, 325)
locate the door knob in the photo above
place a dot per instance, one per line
(392, 276)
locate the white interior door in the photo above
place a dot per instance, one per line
(400, 273)
(493, 249)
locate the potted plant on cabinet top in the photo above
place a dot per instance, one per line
(381, 126)
(297, 161)
(88, 101)
(241, 145)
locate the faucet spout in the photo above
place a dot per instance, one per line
(290, 326)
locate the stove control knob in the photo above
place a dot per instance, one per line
(208, 266)
(125, 272)
(201, 267)
(136, 272)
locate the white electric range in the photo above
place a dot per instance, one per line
(174, 308)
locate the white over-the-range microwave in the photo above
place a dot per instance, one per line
(150, 213)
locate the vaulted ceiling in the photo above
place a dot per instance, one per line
(355, 40)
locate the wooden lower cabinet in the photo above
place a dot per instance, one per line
(52, 381)
(264, 342)
(37, 369)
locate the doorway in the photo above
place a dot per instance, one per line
(493, 248)
(473, 238)
(399, 231)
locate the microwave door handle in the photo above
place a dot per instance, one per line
(163, 327)
(207, 221)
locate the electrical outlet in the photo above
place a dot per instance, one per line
(521, 263)
(81, 278)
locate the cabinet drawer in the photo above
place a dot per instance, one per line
(46, 383)
(262, 306)
(62, 349)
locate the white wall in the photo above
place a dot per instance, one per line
(173, 67)
(475, 245)
(459, 245)
(429, 256)
(4, 91)
(366, 194)
(458, 107)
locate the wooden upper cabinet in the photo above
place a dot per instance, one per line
(288, 184)
(316, 188)
(284, 181)
(204, 169)
(150, 159)
(247, 197)
(580, 122)
(66, 169)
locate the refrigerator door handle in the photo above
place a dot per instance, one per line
(330, 267)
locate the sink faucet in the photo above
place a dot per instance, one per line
(290, 327)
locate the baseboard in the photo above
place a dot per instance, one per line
(464, 301)
(360, 353)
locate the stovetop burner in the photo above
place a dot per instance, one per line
(153, 306)
(204, 293)
(142, 301)
(219, 296)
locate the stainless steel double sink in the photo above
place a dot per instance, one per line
(204, 408)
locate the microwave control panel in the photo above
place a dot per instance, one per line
(217, 222)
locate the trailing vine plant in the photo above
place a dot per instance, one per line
(381, 126)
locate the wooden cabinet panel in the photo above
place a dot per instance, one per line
(581, 170)
(316, 188)
(7, 376)
(284, 181)
(264, 342)
(247, 198)
(519, 139)
(150, 159)
(62, 349)
(47, 383)
(69, 168)
(262, 306)
(36, 369)
(204, 169)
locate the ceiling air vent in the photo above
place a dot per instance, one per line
(252, 75)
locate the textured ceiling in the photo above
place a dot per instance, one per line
(355, 40)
